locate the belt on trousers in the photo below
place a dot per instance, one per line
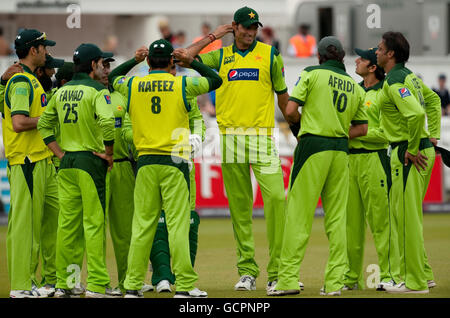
(354, 151)
(122, 160)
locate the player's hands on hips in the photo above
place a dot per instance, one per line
(140, 54)
(221, 30)
(419, 161)
(13, 69)
(107, 157)
(434, 141)
(183, 56)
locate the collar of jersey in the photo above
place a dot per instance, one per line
(334, 63)
(26, 68)
(397, 67)
(156, 72)
(374, 87)
(243, 53)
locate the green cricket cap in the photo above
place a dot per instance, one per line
(51, 62)
(246, 16)
(325, 42)
(368, 54)
(87, 52)
(65, 72)
(30, 37)
(160, 48)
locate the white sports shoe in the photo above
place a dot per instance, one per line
(113, 292)
(147, 288)
(382, 286)
(91, 294)
(273, 283)
(246, 282)
(134, 294)
(402, 289)
(333, 293)
(65, 293)
(48, 290)
(78, 290)
(354, 287)
(23, 294)
(163, 287)
(431, 284)
(195, 293)
(274, 292)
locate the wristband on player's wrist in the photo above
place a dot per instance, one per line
(212, 37)
(295, 128)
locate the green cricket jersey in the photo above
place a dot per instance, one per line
(2, 98)
(375, 138)
(404, 101)
(82, 107)
(330, 100)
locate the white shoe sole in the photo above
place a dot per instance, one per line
(283, 292)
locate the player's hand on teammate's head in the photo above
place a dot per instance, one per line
(13, 69)
(221, 30)
(182, 55)
(140, 54)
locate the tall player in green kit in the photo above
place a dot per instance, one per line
(370, 181)
(162, 179)
(252, 72)
(404, 102)
(86, 122)
(331, 102)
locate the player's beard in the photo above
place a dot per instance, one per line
(46, 82)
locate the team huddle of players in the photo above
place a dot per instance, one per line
(104, 146)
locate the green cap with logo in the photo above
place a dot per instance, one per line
(51, 62)
(30, 37)
(87, 52)
(327, 41)
(246, 16)
(368, 54)
(160, 48)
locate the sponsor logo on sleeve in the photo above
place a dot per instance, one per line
(43, 100)
(404, 92)
(243, 74)
(121, 80)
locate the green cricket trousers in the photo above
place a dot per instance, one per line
(120, 212)
(239, 154)
(160, 254)
(161, 183)
(368, 202)
(82, 195)
(409, 187)
(34, 206)
(320, 170)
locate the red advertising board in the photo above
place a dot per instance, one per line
(211, 191)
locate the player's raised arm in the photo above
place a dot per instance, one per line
(125, 67)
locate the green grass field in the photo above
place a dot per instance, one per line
(216, 260)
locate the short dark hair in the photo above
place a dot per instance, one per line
(23, 52)
(395, 41)
(332, 54)
(85, 67)
(159, 62)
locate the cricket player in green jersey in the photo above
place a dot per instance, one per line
(162, 276)
(121, 180)
(370, 182)
(162, 179)
(406, 105)
(86, 122)
(31, 174)
(331, 102)
(246, 121)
